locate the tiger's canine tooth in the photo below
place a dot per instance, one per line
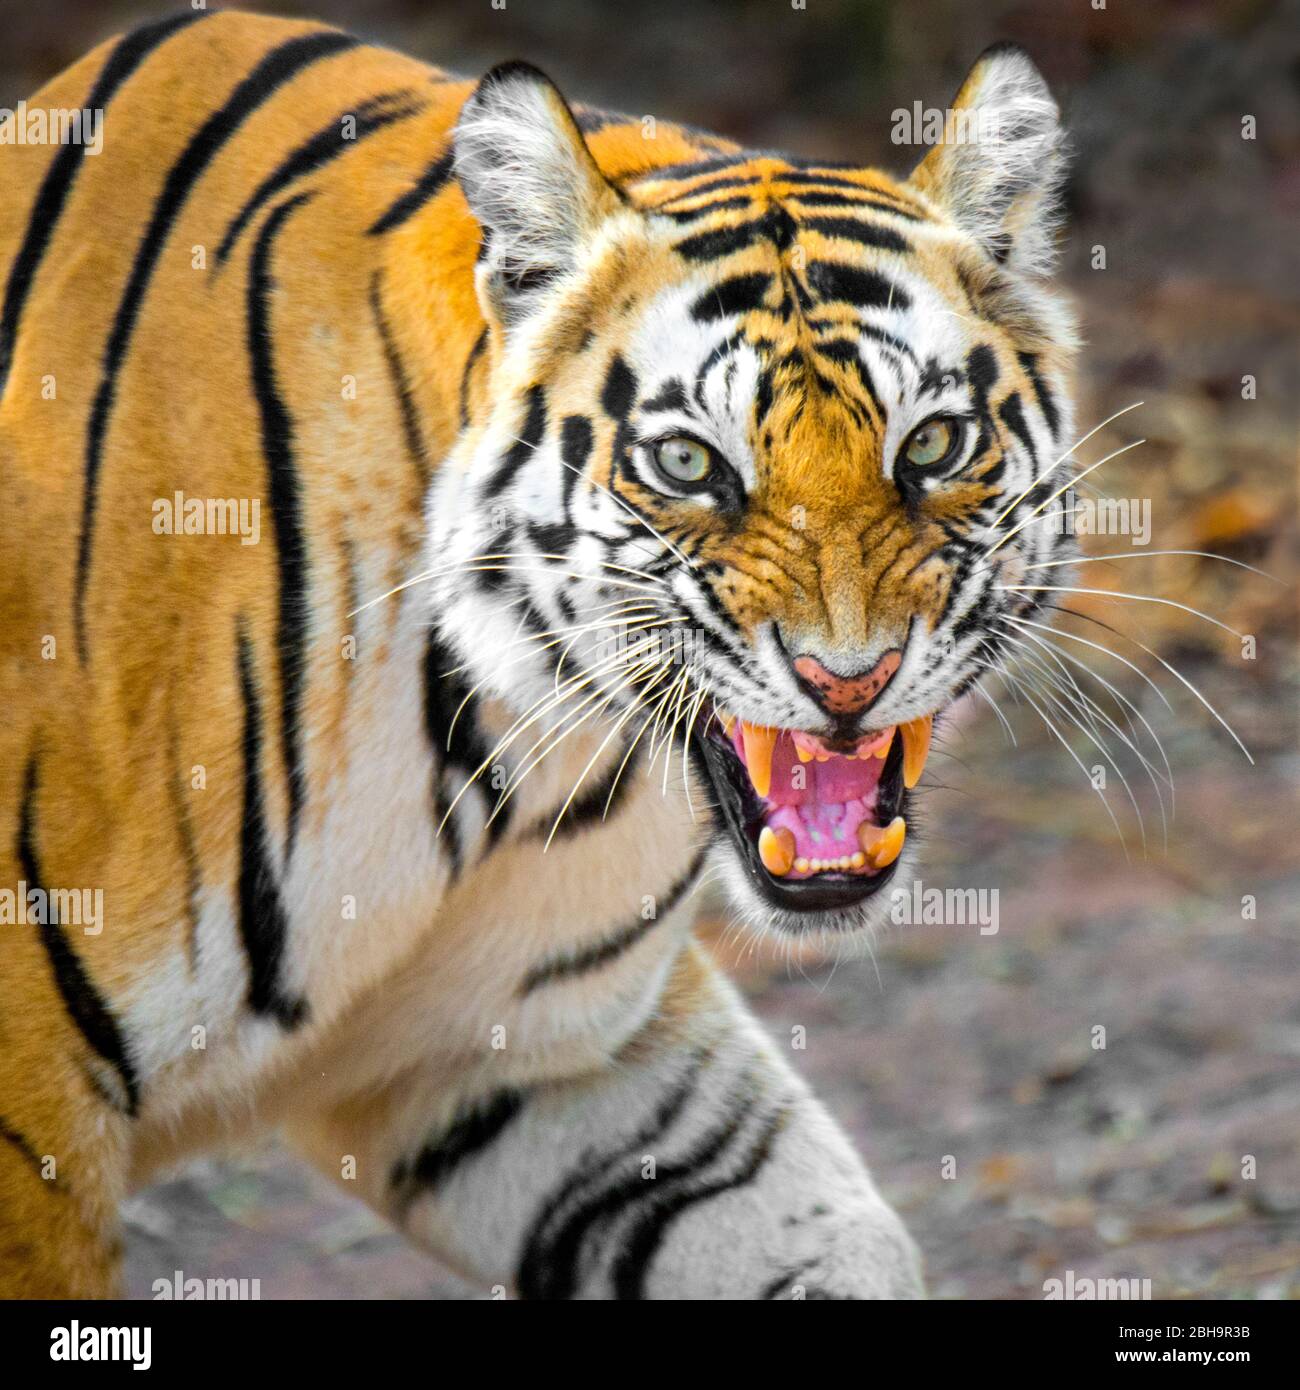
(759, 743)
(916, 748)
(882, 844)
(728, 723)
(776, 850)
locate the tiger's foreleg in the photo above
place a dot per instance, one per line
(63, 1169)
(696, 1165)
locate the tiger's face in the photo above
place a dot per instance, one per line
(767, 453)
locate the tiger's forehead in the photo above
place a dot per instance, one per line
(796, 301)
(687, 192)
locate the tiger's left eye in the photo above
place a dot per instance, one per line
(683, 460)
(933, 443)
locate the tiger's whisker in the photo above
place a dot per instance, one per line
(1065, 487)
(1173, 671)
(1078, 443)
(1116, 593)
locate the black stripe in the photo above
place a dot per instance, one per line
(730, 643)
(1029, 361)
(706, 209)
(548, 1268)
(528, 440)
(444, 695)
(860, 200)
(982, 374)
(846, 352)
(440, 704)
(692, 169)
(754, 181)
(618, 395)
(717, 353)
(720, 241)
(590, 120)
(599, 803)
(62, 174)
(576, 442)
(569, 966)
(736, 295)
(401, 384)
(328, 143)
(552, 538)
(675, 1196)
(889, 340)
(980, 606)
(83, 1001)
(430, 184)
(263, 924)
(472, 1131)
(14, 1137)
(816, 176)
(275, 69)
(1013, 416)
(855, 285)
(286, 506)
(670, 396)
(864, 233)
(474, 354)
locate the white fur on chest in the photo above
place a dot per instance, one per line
(393, 953)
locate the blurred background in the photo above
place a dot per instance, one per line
(1130, 1161)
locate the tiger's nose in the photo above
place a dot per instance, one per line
(844, 695)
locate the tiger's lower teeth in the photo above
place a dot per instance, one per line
(880, 846)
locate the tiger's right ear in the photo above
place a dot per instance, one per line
(530, 181)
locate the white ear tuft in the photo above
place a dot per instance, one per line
(999, 169)
(530, 180)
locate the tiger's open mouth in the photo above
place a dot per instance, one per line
(818, 825)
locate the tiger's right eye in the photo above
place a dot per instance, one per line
(683, 460)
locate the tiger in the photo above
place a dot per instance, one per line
(447, 531)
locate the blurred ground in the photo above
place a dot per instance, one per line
(1126, 1161)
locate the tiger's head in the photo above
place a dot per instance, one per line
(764, 452)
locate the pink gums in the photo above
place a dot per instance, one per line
(820, 803)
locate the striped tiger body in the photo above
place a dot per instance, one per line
(438, 523)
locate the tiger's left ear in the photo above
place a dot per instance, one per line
(530, 181)
(999, 169)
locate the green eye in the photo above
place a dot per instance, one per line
(683, 460)
(935, 442)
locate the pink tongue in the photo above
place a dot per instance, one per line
(823, 831)
(837, 780)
